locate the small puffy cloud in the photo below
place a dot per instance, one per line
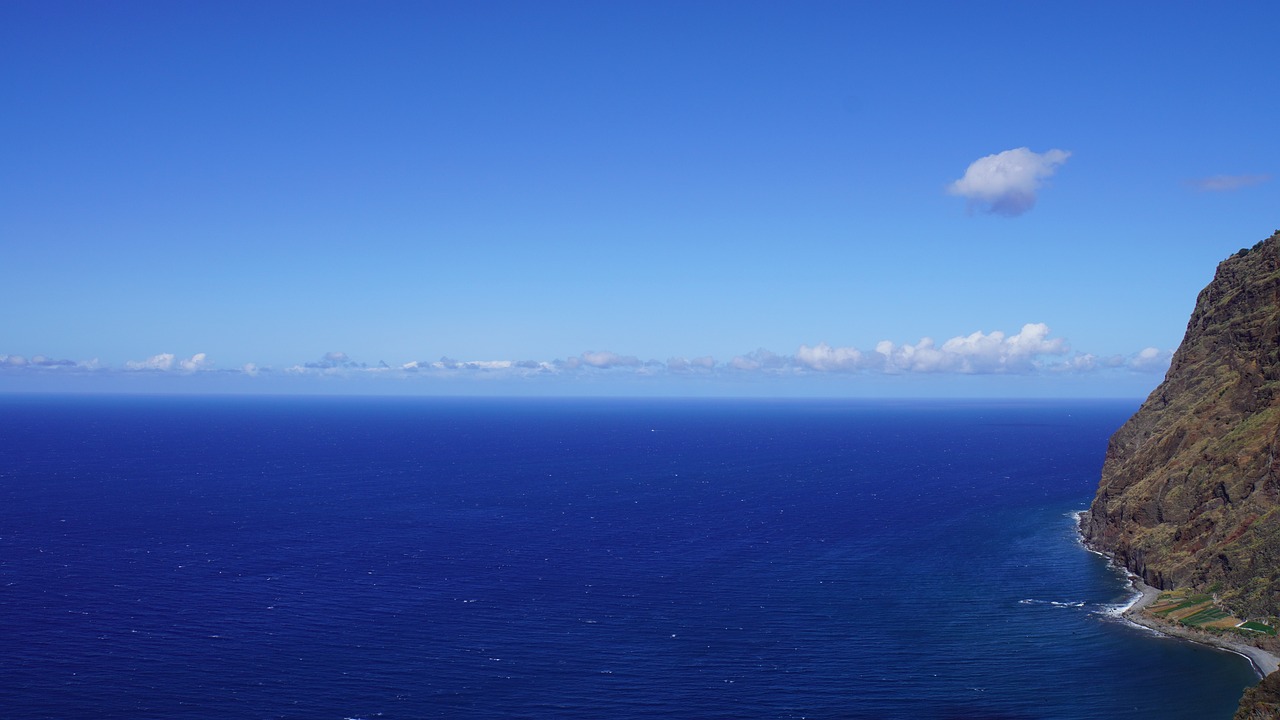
(825, 358)
(162, 362)
(979, 353)
(165, 362)
(449, 367)
(1227, 183)
(1033, 339)
(447, 363)
(607, 359)
(1081, 362)
(1150, 360)
(1006, 183)
(923, 357)
(44, 363)
(761, 359)
(199, 361)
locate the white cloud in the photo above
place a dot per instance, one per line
(1147, 360)
(1031, 350)
(979, 353)
(163, 361)
(761, 359)
(447, 364)
(1227, 183)
(199, 361)
(44, 363)
(923, 357)
(1006, 183)
(825, 358)
(1082, 362)
(1150, 360)
(976, 353)
(607, 359)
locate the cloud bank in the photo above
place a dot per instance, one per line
(977, 353)
(1006, 183)
(1030, 351)
(164, 362)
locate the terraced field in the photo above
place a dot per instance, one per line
(1199, 611)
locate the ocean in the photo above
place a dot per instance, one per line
(253, 557)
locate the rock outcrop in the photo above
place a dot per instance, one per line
(1261, 702)
(1190, 490)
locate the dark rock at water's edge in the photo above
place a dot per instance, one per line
(1261, 702)
(1190, 490)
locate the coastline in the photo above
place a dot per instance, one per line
(1264, 662)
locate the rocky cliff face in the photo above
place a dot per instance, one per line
(1190, 491)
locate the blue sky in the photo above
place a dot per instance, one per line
(701, 198)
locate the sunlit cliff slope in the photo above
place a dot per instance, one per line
(1190, 490)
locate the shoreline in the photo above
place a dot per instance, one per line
(1264, 662)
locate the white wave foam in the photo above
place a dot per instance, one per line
(1117, 610)
(1051, 603)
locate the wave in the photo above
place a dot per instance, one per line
(1052, 603)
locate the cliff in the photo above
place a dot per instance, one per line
(1190, 490)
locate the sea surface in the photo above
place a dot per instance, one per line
(338, 558)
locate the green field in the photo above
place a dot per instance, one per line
(1199, 611)
(1205, 616)
(1259, 627)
